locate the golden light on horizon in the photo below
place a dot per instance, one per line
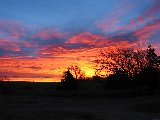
(89, 72)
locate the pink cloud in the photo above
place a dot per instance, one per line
(13, 45)
(89, 39)
(9, 45)
(111, 21)
(147, 31)
(11, 29)
(49, 34)
(113, 24)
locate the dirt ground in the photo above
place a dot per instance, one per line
(28, 105)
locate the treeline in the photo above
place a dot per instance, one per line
(129, 69)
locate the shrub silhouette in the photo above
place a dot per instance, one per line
(119, 80)
(4, 84)
(68, 82)
(148, 79)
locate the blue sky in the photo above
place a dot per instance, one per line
(60, 13)
(53, 12)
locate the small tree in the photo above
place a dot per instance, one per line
(68, 76)
(68, 82)
(78, 73)
(152, 59)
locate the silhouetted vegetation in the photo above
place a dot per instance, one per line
(4, 84)
(68, 82)
(137, 70)
(118, 80)
(147, 79)
(78, 73)
(134, 69)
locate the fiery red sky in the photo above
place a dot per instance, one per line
(41, 39)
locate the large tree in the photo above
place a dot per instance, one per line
(127, 61)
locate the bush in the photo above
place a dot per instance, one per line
(68, 83)
(116, 81)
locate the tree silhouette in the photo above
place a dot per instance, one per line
(79, 74)
(129, 66)
(149, 75)
(152, 59)
(126, 61)
(68, 82)
(68, 76)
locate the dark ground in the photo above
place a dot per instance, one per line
(41, 101)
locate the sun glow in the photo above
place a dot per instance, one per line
(89, 72)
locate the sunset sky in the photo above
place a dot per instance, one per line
(39, 39)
